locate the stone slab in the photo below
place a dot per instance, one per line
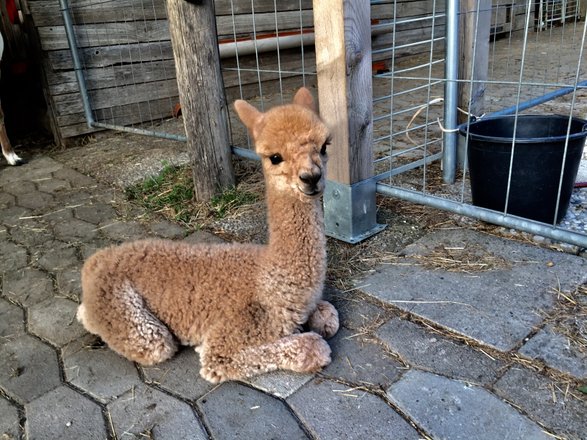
(75, 230)
(179, 375)
(354, 312)
(234, 411)
(54, 320)
(27, 286)
(556, 351)
(122, 231)
(96, 213)
(52, 185)
(167, 229)
(9, 421)
(11, 321)
(498, 307)
(145, 412)
(34, 200)
(358, 360)
(64, 414)
(92, 367)
(545, 400)
(331, 410)
(279, 383)
(31, 233)
(69, 283)
(28, 369)
(12, 257)
(450, 409)
(431, 351)
(55, 256)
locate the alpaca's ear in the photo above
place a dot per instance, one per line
(248, 114)
(305, 99)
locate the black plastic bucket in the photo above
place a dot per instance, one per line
(538, 156)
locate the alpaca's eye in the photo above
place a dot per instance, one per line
(276, 159)
(324, 145)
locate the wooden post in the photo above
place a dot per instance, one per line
(192, 27)
(475, 24)
(345, 91)
(343, 62)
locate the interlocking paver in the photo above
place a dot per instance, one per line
(31, 233)
(54, 320)
(18, 188)
(557, 406)
(28, 369)
(447, 408)
(331, 411)
(52, 186)
(180, 375)
(498, 307)
(354, 312)
(96, 213)
(9, 421)
(91, 366)
(11, 321)
(55, 256)
(12, 256)
(68, 283)
(431, 351)
(13, 216)
(7, 200)
(77, 179)
(122, 231)
(145, 411)
(64, 414)
(357, 359)
(279, 383)
(27, 286)
(35, 200)
(556, 351)
(167, 229)
(75, 230)
(234, 411)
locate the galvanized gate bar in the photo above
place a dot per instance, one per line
(451, 91)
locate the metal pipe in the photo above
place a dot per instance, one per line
(77, 65)
(249, 47)
(451, 91)
(173, 137)
(487, 215)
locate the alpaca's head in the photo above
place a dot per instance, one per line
(291, 141)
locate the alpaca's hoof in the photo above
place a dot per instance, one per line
(324, 320)
(213, 375)
(314, 354)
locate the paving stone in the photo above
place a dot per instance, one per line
(69, 284)
(76, 179)
(19, 187)
(431, 351)
(28, 369)
(12, 256)
(234, 411)
(279, 383)
(52, 186)
(91, 366)
(54, 320)
(71, 416)
(35, 200)
(55, 255)
(359, 360)
(556, 351)
(180, 375)
(13, 216)
(499, 307)
(74, 230)
(58, 215)
(451, 409)
(9, 421)
(167, 229)
(10, 175)
(27, 286)
(96, 213)
(122, 231)
(88, 249)
(7, 200)
(11, 322)
(334, 411)
(354, 312)
(149, 413)
(37, 169)
(74, 199)
(203, 237)
(543, 399)
(31, 233)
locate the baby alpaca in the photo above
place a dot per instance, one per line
(243, 306)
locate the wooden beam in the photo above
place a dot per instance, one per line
(343, 63)
(201, 91)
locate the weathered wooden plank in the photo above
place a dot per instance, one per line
(229, 7)
(106, 98)
(54, 37)
(106, 56)
(247, 24)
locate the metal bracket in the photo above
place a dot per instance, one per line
(350, 211)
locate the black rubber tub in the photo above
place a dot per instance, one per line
(537, 165)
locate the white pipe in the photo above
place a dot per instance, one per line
(249, 47)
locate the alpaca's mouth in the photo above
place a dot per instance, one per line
(312, 192)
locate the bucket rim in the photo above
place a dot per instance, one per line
(464, 130)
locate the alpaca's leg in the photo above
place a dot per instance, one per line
(128, 327)
(324, 320)
(302, 352)
(7, 151)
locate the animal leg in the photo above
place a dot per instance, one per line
(301, 352)
(128, 327)
(324, 320)
(7, 151)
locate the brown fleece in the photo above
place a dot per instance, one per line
(242, 305)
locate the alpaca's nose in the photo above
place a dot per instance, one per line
(311, 178)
